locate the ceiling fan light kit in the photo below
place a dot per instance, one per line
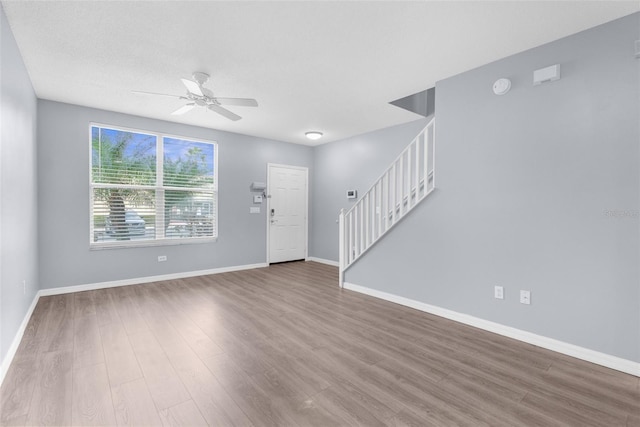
(197, 95)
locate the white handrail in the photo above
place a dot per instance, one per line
(401, 187)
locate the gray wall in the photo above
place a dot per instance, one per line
(350, 164)
(18, 202)
(526, 183)
(63, 156)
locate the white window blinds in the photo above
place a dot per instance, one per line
(149, 188)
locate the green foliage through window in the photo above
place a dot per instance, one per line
(148, 186)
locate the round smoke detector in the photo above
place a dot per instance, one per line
(501, 86)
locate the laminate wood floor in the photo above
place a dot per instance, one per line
(283, 346)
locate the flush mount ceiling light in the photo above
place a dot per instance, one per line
(313, 135)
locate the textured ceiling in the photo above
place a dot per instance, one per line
(328, 66)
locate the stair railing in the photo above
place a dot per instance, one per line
(404, 184)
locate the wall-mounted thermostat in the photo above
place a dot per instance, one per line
(257, 198)
(352, 194)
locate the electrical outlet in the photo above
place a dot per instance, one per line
(498, 292)
(162, 258)
(525, 297)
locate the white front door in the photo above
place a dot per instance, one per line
(287, 213)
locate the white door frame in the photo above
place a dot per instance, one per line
(306, 209)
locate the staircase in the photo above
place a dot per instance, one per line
(404, 184)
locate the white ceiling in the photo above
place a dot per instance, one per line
(324, 65)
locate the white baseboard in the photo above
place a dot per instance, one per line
(13, 348)
(572, 350)
(4, 367)
(147, 279)
(323, 261)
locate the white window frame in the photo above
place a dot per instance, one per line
(159, 188)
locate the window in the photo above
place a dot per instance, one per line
(149, 188)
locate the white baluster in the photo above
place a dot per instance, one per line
(351, 242)
(417, 173)
(409, 173)
(385, 200)
(366, 221)
(341, 254)
(392, 187)
(360, 228)
(378, 209)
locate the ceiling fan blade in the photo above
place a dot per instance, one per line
(241, 102)
(183, 109)
(138, 92)
(224, 112)
(192, 87)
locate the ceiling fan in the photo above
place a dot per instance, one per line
(197, 95)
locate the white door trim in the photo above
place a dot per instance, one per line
(306, 208)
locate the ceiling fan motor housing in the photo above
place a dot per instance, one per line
(200, 77)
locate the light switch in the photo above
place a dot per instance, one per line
(254, 210)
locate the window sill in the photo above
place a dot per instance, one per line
(151, 243)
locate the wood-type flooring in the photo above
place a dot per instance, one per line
(284, 346)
